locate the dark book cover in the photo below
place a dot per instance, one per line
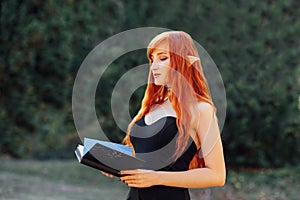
(107, 156)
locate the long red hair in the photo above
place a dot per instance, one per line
(188, 86)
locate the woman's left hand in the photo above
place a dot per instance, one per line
(140, 178)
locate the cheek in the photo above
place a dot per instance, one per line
(167, 63)
(166, 74)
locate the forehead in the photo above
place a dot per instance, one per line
(162, 47)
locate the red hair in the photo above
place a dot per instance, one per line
(187, 83)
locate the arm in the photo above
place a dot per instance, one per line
(212, 175)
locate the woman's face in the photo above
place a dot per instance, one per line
(160, 64)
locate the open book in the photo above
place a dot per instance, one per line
(107, 156)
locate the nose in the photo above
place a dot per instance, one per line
(154, 65)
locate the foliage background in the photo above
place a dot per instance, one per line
(255, 45)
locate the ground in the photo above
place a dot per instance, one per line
(67, 179)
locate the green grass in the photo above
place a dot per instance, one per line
(62, 180)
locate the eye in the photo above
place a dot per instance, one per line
(163, 58)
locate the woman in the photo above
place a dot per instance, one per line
(177, 106)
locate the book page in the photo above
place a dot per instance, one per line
(89, 143)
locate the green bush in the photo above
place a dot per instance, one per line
(255, 44)
(42, 46)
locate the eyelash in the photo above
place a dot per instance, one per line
(161, 59)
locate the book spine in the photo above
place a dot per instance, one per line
(100, 167)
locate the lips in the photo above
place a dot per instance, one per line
(156, 75)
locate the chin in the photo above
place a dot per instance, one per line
(158, 83)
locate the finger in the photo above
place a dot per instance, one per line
(128, 178)
(128, 172)
(137, 185)
(131, 182)
(107, 174)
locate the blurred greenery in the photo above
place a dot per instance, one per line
(255, 45)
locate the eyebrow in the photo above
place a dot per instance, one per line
(159, 53)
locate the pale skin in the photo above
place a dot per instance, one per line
(205, 132)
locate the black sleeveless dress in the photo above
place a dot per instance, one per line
(156, 144)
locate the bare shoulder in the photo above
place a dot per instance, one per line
(202, 116)
(202, 111)
(205, 108)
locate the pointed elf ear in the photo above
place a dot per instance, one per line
(193, 59)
